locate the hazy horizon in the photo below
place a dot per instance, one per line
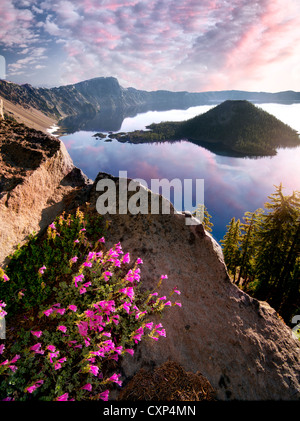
(193, 46)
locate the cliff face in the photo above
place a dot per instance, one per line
(37, 181)
(238, 343)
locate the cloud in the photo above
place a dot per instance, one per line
(154, 44)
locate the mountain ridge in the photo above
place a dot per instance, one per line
(89, 96)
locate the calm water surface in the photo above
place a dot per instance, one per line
(232, 185)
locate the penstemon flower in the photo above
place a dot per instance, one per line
(38, 333)
(62, 328)
(42, 270)
(104, 395)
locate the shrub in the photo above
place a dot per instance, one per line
(98, 315)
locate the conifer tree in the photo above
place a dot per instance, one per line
(231, 246)
(202, 211)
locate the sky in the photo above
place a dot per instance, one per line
(178, 45)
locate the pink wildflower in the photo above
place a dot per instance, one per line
(48, 312)
(37, 348)
(32, 388)
(104, 395)
(74, 259)
(62, 328)
(126, 258)
(16, 357)
(63, 397)
(82, 290)
(91, 255)
(51, 348)
(2, 347)
(117, 263)
(115, 378)
(129, 291)
(52, 226)
(53, 355)
(177, 291)
(102, 240)
(37, 333)
(83, 327)
(42, 269)
(149, 325)
(61, 311)
(139, 261)
(106, 275)
(168, 303)
(94, 369)
(76, 241)
(72, 307)
(178, 304)
(5, 277)
(88, 387)
(130, 351)
(87, 264)
(126, 306)
(78, 278)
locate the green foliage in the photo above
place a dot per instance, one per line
(237, 126)
(95, 315)
(54, 251)
(202, 213)
(266, 253)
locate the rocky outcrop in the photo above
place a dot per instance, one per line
(38, 180)
(239, 344)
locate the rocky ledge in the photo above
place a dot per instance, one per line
(239, 344)
(37, 181)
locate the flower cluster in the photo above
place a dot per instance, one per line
(100, 316)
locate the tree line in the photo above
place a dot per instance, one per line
(262, 252)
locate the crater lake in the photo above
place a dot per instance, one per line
(232, 184)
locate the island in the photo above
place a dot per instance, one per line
(237, 126)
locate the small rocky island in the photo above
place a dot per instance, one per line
(237, 126)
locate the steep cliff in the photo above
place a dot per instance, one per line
(37, 180)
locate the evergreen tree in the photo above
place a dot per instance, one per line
(231, 247)
(248, 245)
(278, 243)
(202, 211)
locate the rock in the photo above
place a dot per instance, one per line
(239, 344)
(38, 181)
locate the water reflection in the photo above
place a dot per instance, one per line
(233, 185)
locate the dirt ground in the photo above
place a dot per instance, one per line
(29, 116)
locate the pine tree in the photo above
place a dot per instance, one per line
(277, 244)
(231, 247)
(248, 245)
(202, 212)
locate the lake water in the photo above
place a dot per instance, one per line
(232, 185)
